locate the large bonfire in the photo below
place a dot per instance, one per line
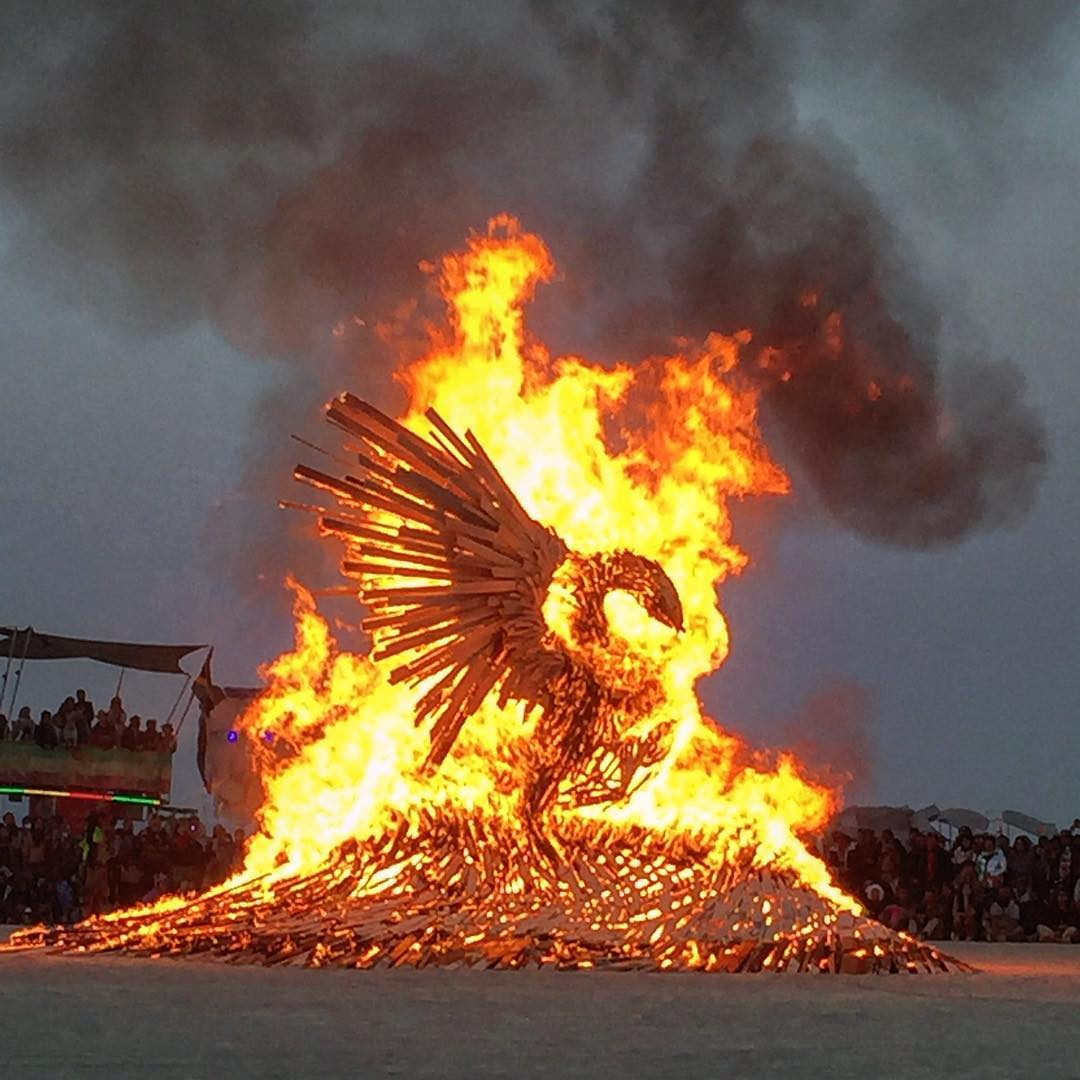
(404, 824)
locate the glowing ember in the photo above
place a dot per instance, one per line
(520, 771)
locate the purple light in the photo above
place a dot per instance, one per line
(268, 736)
(232, 736)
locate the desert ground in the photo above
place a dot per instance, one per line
(116, 1017)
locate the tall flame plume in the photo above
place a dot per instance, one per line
(642, 457)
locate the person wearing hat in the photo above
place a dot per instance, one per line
(875, 897)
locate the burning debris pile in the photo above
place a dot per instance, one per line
(519, 772)
(446, 891)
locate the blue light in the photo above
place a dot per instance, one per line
(232, 736)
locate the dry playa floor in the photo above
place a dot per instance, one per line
(117, 1017)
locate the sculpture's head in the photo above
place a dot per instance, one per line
(645, 580)
(576, 605)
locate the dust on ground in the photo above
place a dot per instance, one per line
(115, 1017)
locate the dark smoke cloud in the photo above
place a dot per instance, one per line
(896, 449)
(135, 136)
(962, 52)
(280, 168)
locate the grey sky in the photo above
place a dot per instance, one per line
(145, 424)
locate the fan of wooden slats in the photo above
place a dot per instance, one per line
(452, 568)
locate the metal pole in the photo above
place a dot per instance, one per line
(7, 670)
(187, 682)
(120, 682)
(18, 673)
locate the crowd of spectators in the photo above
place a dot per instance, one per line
(51, 873)
(977, 887)
(75, 724)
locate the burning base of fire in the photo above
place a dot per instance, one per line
(442, 900)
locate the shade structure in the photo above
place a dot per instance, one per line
(28, 644)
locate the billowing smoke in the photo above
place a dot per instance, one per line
(281, 168)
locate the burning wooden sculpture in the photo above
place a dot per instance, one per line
(471, 598)
(458, 578)
(521, 772)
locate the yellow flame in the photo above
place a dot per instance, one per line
(641, 457)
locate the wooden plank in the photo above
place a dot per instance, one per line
(426, 615)
(424, 593)
(451, 719)
(306, 508)
(396, 439)
(451, 436)
(400, 570)
(324, 482)
(373, 495)
(461, 651)
(436, 694)
(387, 534)
(405, 642)
(396, 557)
(421, 487)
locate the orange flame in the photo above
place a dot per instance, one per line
(641, 457)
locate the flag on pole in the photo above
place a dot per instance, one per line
(203, 687)
(208, 695)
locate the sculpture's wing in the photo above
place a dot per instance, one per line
(452, 568)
